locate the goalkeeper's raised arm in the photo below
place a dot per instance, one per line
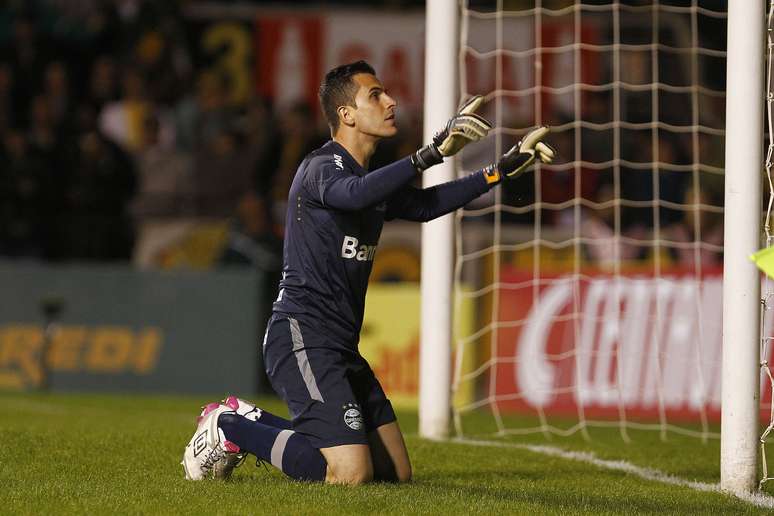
(423, 205)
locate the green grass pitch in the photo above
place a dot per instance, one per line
(108, 454)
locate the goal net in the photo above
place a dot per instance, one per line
(596, 280)
(767, 292)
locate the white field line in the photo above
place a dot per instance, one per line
(757, 499)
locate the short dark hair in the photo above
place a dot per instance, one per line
(338, 89)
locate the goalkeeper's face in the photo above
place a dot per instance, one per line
(374, 112)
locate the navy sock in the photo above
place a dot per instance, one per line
(253, 413)
(285, 449)
(267, 418)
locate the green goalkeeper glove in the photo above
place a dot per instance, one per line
(465, 127)
(519, 158)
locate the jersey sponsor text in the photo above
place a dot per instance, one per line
(351, 250)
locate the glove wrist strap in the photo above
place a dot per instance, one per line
(492, 175)
(426, 157)
(512, 165)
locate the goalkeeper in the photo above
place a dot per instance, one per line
(342, 428)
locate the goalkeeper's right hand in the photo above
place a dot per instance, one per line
(518, 159)
(465, 127)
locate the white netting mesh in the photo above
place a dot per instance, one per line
(767, 292)
(595, 282)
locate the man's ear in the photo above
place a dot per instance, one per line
(346, 116)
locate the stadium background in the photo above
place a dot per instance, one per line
(147, 149)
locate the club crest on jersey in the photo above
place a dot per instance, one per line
(339, 161)
(352, 250)
(353, 418)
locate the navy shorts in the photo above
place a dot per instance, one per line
(331, 392)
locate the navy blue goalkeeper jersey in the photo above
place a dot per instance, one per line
(336, 210)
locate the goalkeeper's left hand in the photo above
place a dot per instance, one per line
(519, 157)
(465, 127)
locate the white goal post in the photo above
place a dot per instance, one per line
(441, 75)
(741, 281)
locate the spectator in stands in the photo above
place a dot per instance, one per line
(122, 121)
(299, 136)
(103, 84)
(712, 149)
(8, 107)
(222, 176)
(24, 185)
(202, 116)
(596, 144)
(261, 142)
(159, 54)
(46, 147)
(43, 136)
(27, 53)
(702, 226)
(164, 178)
(672, 181)
(557, 182)
(102, 182)
(637, 181)
(92, 25)
(252, 241)
(601, 245)
(56, 93)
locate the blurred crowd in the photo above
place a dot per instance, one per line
(651, 186)
(663, 199)
(109, 119)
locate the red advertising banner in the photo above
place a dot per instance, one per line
(635, 344)
(293, 49)
(289, 57)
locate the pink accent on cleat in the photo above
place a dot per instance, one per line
(232, 402)
(230, 447)
(209, 407)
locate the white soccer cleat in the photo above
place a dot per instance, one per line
(243, 408)
(208, 453)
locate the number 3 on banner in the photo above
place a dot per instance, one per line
(233, 63)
